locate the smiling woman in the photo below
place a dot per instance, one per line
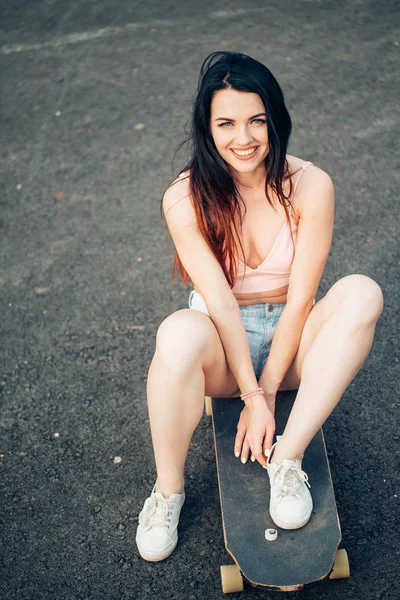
(241, 178)
(246, 138)
(253, 327)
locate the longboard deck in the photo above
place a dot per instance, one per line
(298, 556)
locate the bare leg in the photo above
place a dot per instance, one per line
(189, 361)
(331, 362)
(176, 402)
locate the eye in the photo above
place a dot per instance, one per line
(253, 121)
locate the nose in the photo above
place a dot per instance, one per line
(243, 137)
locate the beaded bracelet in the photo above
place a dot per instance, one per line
(250, 393)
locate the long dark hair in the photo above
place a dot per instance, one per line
(214, 195)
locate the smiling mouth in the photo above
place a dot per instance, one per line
(244, 153)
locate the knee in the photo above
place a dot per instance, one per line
(181, 337)
(362, 298)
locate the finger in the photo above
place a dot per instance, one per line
(239, 441)
(268, 441)
(257, 452)
(245, 451)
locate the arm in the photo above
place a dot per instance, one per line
(209, 278)
(314, 236)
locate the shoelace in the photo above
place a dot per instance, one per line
(290, 480)
(158, 513)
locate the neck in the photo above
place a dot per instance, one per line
(251, 181)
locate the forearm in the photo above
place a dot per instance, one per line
(235, 342)
(284, 346)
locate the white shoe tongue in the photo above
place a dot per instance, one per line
(158, 512)
(160, 495)
(291, 462)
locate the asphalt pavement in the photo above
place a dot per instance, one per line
(95, 99)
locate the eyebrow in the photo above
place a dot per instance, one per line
(253, 117)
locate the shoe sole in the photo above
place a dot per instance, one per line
(157, 557)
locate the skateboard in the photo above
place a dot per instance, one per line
(297, 556)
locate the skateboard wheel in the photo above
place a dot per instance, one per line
(208, 404)
(271, 534)
(341, 567)
(231, 579)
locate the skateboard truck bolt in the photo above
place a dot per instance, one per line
(271, 534)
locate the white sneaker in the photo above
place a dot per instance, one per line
(157, 535)
(290, 503)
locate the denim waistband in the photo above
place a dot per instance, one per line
(262, 309)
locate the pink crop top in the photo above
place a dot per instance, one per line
(274, 271)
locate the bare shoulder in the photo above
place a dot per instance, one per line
(314, 186)
(177, 203)
(312, 172)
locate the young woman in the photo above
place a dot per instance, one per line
(253, 327)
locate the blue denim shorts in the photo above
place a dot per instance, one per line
(259, 320)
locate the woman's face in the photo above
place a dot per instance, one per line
(238, 123)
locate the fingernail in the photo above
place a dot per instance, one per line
(267, 451)
(237, 454)
(244, 459)
(253, 459)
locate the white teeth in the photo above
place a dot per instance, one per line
(244, 152)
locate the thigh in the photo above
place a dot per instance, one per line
(357, 296)
(190, 334)
(341, 296)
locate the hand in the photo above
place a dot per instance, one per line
(256, 430)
